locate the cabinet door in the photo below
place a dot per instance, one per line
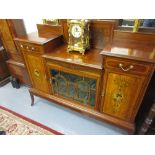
(78, 86)
(121, 96)
(37, 72)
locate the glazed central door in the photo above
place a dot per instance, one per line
(79, 87)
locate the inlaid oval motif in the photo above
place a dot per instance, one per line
(117, 98)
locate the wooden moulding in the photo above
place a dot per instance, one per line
(85, 111)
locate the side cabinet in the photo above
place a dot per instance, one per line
(36, 69)
(32, 54)
(124, 85)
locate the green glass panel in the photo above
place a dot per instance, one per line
(92, 98)
(71, 90)
(78, 88)
(93, 84)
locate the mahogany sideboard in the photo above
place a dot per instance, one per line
(107, 83)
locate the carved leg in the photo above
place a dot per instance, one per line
(32, 98)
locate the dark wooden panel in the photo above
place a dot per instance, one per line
(47, 30)
(101, 33)
(3, 69)
(18, 70)
(133, 39)
(4, 72)
(63, 22)
(17, 27)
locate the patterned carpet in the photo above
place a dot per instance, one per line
(15, 124)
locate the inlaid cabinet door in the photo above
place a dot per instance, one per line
(122, 94)
(37, 73)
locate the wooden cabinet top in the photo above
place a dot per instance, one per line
(145, 54)
(36, 38)
(92, 57)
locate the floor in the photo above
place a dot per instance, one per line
(54, 116)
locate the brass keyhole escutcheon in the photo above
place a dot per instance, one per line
(37, 73)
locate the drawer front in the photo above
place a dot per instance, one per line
(127, 66)
(29, 47)
(74, 67)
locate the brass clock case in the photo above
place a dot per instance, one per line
(78, 35)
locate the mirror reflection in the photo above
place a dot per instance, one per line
(137, 25)
(143, 22)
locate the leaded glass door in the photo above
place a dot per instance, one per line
(80, 89)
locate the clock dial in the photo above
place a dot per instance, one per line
(76, 31)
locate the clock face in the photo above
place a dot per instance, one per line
(76, 31)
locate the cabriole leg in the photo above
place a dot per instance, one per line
(32, 98)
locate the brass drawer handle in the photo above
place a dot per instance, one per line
(125, 70)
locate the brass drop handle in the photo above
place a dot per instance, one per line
(127, 69)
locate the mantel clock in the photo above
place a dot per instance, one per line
(78, 35)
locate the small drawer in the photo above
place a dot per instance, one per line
(125, 65)
(29, 47)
